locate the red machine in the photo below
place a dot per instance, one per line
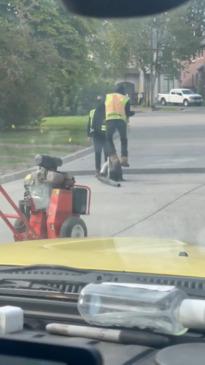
(52, 204)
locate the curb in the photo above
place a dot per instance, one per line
(22, 173)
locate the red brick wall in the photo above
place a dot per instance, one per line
(190, 71)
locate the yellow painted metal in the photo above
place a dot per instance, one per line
(116, 254)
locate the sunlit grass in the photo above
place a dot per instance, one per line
(56, 136)
(70, 123)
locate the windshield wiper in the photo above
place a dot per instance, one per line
(27, 284)
(69, 281)
(10, 269)
(64, 282)
(61, 278)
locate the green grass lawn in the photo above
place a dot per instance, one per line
(53, 130)
(20, 157)
(45, 137)
(57, 136)
(70, 123)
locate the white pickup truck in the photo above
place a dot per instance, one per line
(184, 97)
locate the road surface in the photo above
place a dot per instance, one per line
(164, 196)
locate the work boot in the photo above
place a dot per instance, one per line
(124, 162)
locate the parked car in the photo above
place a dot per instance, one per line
(184, 97)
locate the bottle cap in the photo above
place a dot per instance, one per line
(11, 319)
(192, 313)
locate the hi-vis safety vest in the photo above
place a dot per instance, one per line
(91, 116)
(115, 106)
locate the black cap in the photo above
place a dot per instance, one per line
(120, 89)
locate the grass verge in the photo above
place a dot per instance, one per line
(57, 136)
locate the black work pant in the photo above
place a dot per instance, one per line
(99, 141)
(120, 126)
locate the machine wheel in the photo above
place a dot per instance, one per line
(185, 102)
(163, 102)
(73, 227)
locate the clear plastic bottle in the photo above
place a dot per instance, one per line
(164, 309)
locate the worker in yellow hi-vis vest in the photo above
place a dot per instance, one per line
(117, 113)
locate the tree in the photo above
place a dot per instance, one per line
(23, 79)
(24, 68)
(195, 14)
(157, 45)
(45, 60)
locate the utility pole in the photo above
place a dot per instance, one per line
(154, 47)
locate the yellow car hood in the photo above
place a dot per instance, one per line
(168, 257)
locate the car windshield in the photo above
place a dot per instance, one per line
(187, 92)
(91, 147)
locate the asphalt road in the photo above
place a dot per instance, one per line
(163, 196)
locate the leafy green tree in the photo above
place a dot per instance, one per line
(157, 45)
(23, 79)
(45, 60)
